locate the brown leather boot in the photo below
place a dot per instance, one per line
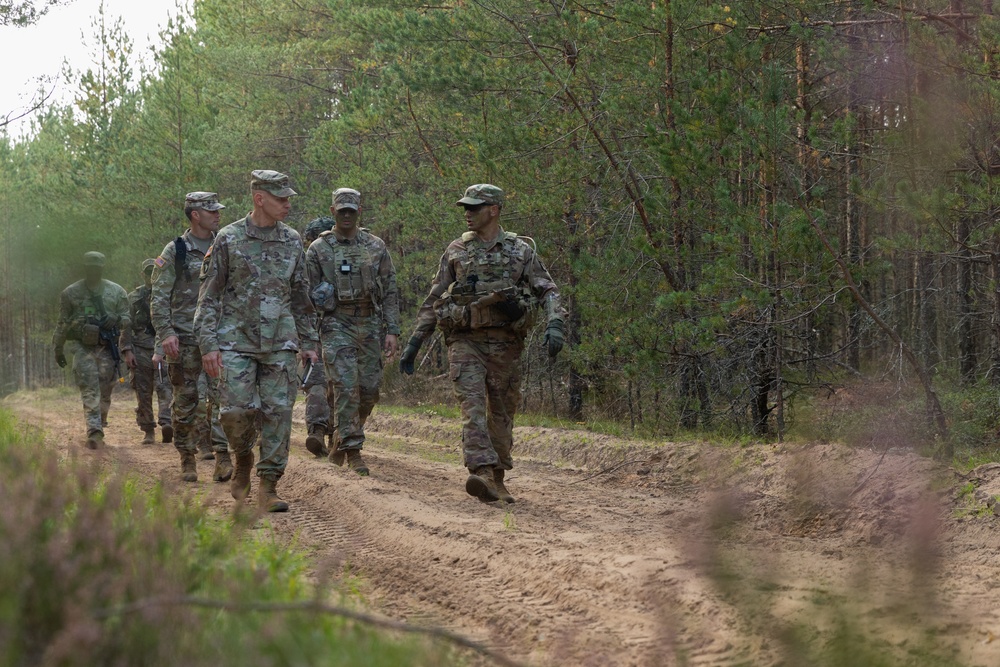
(481, 484)
(167, 434)
(314, 442)
(240, 486)
(267, 496)
(223, 467)
(356, 463)
(502, 491)
(189, 469)
(150, 437)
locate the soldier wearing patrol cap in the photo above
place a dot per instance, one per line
(253, 316)
(176, 278)
(91, 313)
(488, 285)
(354, 291)
(137, 344)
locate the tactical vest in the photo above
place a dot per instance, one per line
(352, 271)
(484, 294)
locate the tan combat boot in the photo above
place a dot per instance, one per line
(481, 484)
(314, 442)
(502, 491)
(189, 469)
(223, 467)
(167, 434)
(267, 496)
(356, 463)
(95, 440)
(240, 486)
(150, 437)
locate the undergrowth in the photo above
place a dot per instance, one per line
(98, 570)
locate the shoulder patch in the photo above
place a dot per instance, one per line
(159, 261)
(208, 253)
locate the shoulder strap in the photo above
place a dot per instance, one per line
(180, 257)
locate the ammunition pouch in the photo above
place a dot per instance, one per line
(485, 306)
(90, 334)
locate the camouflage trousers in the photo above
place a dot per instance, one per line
(487, 381)
(352, 356)
(319, 397)
(94, 372)
(207, 432)
(258, 393)
(146, 379)
(192, 394)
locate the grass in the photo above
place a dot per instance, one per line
(98, 570)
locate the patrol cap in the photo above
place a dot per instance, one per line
(271, 181)
(208, 201)
(481, 193)
(346, 198)
(148, 264)
(93, 258)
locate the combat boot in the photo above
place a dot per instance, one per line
(267, 496)
(150, 437)
(205, 453)
(95, 440)
(482, 485)
(314, 442)
(223, 467)
(356, 463)
(240, 486)
(502, 491)
(167, 434)
(189, 469)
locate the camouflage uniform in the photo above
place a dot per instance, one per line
(254, 308)
(174, 299)
(483, 297)
(140, 338)
(207, 433)
(319, 392)
(80, 309)
(359, 282)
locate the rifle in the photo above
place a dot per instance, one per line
(110, 338)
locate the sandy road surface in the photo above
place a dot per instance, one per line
(686, 554)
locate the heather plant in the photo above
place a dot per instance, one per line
(101, 569)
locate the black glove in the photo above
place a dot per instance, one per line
(554, 337)
(410, 355)
(60, 359)
(109, 322)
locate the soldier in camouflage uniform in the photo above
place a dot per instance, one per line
(319, 393)
(137, 343)
(176, 280)
(207, 432)
(91, 312)
(354, 291)
(487, 286)
(253, 315)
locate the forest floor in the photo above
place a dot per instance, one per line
(621, 552)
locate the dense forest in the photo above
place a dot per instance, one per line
(741, 202)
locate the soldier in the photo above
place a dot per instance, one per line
(175, 297)
(207, 431)
(483, 296)
(354, 291)
(319, 395)
(253, 316)
(137, 343)
(91, 311)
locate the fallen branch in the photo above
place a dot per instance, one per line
(312, 607)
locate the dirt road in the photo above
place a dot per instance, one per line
(629, 553)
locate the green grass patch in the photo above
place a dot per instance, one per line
(99, 571)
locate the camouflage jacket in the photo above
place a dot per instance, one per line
(254, 293)
(369, 278)
(141, 332)
(78, 305)
(175, 295)
(508, 259)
